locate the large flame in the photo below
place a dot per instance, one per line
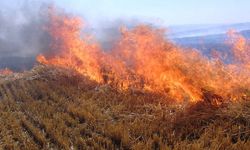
(73, 51)
(143, 59)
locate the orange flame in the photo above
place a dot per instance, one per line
(5, 71)
(240, 48)
(75, 52)
(145, 60)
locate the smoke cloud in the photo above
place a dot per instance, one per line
(22, 33)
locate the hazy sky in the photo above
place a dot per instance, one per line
(169, 12)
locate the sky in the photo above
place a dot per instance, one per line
(167, 12)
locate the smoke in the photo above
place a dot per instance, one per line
(22, 33)
(108, 32)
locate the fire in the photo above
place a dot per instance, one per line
(143, 59)
(5, 71)
(240, 48)
(74, 52)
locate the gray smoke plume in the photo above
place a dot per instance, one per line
(22, 33)
(107, 33)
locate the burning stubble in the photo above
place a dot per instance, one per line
(143, 59)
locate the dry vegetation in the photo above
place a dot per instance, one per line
(48, 108)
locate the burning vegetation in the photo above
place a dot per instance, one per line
(5, 71)
(144, 60)
(144, 93)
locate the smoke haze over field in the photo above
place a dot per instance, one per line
(23, 25)
(23, 32)
(21, 28)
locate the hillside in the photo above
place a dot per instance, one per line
(207, 43)
(185, 31)
(53, 108)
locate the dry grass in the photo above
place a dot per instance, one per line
(48, 108)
